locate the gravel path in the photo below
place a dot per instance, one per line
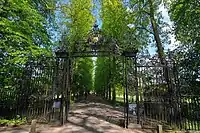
(85, 117)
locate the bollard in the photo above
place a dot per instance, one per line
(159, 129)
(33, 126)
(122, 123)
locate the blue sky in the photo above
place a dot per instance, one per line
(166, 18)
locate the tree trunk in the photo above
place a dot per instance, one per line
(159, 46)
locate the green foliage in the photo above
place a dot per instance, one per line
(23, 28)
(138, 19)
(108, 77)
(82, 76)
(188, 69)
(14, 122)
(114, 19)
(129, 23)
(102, 75)
(78, 20)
(24, 35)
(185, 15)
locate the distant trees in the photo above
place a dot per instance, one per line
(78, 22)
(102, 80)
(82, 81)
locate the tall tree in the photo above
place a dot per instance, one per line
(83, 76)
(102, 77)
(152, 10)
(79, 22)
(23, 28)
(114, 27)
(113, 15)
(185, 15)
(23, 34)
(151, 21)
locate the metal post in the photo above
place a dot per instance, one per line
(33, 126)
(56, 86)
(137, 91)
(64, 91)
(178, 94)
(126, 82)
(159, 129)
(68, 86)
(113, 80)
(28, 82)
(110, 73)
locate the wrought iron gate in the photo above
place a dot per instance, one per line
(151, 90)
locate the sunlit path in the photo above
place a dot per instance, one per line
(93, 115)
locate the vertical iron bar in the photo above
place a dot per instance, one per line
(137, 91)
(64, 91)
(56, 86)
(178, 94)
(30, 71)
(113, 80)
(192, 113)
(197, 115)
(127, 104)
(110, 75)
(68, 86)
(124, 84)
(186, 112)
